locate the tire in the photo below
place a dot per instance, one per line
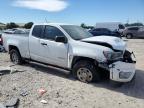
(129, 36)
(86, 71)
(15, 57)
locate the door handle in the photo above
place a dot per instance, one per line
(44, 44)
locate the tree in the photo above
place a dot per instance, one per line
(83, 25)
(11, 25)
(28, 25)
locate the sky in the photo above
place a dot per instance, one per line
(72, 11)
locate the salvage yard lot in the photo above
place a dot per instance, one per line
(65, 92)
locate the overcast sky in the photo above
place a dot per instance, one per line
(72, 11)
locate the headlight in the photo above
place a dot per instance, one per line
(112, 55)
(107, 54)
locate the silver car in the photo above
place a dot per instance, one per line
(134, 32)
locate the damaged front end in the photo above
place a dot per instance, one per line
(123, 70)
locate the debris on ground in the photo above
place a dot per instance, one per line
(9, 70)
(12, 103)
(24, 92)
(44, 101)
(42, 91)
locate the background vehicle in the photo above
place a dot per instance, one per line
(104, 31)
(73, 48)
(17, 31)
(134, 32)
(113, 26)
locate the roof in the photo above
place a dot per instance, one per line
(52, 24)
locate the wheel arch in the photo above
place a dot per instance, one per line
(79, 58)
(11, 47)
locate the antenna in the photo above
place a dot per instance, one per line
(46, 20)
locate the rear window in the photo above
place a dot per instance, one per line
(37, 30)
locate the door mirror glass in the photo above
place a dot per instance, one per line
(61, 39)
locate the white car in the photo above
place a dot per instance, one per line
(73, 48)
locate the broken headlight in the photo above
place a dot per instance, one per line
(113, 55)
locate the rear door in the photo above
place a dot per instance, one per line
(34, 43)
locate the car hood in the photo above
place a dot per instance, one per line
(108, 41)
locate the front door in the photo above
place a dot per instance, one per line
(55, 52)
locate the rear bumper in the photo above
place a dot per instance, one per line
(122, 71)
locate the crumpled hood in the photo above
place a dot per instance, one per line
(107, 41)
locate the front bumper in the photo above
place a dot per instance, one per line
(122, 71)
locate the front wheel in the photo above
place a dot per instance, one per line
(15, 56)
(86, 71)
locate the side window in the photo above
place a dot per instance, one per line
(37, 30)
(97, 30)
(133, 28)
(51, 32)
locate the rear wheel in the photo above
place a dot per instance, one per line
(129, 36)
(86, 71)
(15, 56)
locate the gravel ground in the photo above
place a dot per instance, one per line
(65, 92)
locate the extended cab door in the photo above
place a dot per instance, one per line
(36, 52)
(55, 52)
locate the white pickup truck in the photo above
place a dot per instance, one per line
(73, 48)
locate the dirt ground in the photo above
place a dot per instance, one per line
(65, 92)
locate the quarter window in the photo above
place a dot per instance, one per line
(37, 31)
(133, 28)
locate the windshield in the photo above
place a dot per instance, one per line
(76, 32)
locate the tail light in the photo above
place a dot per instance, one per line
(1, 40)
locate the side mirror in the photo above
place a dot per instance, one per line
(61, 39)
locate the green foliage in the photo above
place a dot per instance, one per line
(83, 25)
(28, 25)
(11, 25)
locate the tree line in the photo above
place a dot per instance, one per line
(14, 25)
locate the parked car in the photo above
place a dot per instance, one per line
(113, 26)
(104, 31)
(134, 32)
(72, 48)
